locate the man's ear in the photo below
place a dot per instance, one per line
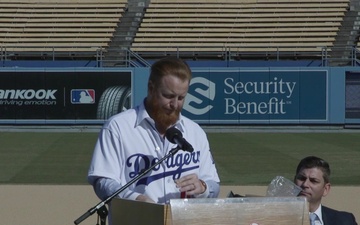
(327, 188)
(150, 86)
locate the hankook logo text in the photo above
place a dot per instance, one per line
(21, 97)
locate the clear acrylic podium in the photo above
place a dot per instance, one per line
(213, 211)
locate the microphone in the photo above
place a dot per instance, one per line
(175, 136)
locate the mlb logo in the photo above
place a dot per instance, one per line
(82, 96)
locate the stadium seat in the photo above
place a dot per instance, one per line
(65, 26)
(305, 26)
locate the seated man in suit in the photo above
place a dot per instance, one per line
(313, 176)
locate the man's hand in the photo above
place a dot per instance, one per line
(191, 184)
(144, 198)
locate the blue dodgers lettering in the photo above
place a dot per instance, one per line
(138, 163)
(183, 159)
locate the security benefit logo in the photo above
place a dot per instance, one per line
(197, 102)
(231, 96)
(251, 93)
(82, 96)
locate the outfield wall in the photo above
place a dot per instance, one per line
(218, 95)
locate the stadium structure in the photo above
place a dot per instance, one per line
(45, 41)
(112, 33)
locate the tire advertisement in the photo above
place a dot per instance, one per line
(49, 97)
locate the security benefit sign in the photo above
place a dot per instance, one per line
(63, 95)
(257, 96)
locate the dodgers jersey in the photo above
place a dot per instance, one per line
(129, 144)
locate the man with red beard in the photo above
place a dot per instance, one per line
(313, 176)
(134, 140)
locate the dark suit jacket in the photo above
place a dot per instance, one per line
(334, 217)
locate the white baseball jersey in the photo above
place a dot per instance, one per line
(129, 144)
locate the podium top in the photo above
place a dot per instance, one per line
(213, 211)
(242, 211)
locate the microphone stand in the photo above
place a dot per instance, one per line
(100, 208)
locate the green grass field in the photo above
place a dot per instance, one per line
(241, 158)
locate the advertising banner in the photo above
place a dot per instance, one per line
(253, 96)
(352, 95)
(65, 96)
(216, 96)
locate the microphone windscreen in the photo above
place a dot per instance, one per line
(171, 133)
